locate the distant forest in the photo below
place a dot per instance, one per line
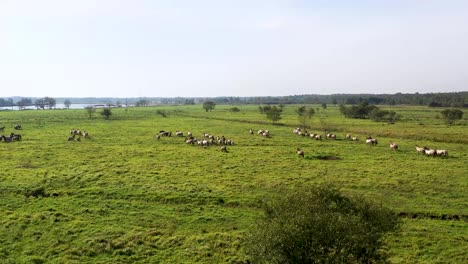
(455, 99)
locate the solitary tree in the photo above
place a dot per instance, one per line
(90, 111)
(320, 225)
(142, 102)
(50, 102)
(451, 115)
(40, 103)
(106, 112)
(67, 103)
(273, 113)
(24, 102)
(209, 106)
(304, 115)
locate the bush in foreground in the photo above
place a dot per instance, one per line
(320, 225)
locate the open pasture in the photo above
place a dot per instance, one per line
(124, 196)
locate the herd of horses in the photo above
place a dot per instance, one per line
(371, 142)
(76, 134)
(206, 140)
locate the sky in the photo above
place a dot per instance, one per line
(211, 48)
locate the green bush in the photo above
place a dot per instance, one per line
(451, 115)
(106, 113)
(320, 225)
(234, 109)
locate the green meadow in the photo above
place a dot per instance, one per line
(122, 196)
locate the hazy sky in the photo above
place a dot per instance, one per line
(136, 48)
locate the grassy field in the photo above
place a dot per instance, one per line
(122, 196)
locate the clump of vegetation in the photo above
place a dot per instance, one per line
(106, 113)
(304, 115)
(209, 106)
(272, 113)
(67, 103)
(320, 225)
(161, 113)
(451, 115)
(36, 192)
(234, 109)
(90, 111)
(366, 111)
(384, 115)
(357, 111)
(142, 103)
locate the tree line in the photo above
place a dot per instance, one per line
(40, 103)
(455, 99)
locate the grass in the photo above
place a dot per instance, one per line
(123, 196)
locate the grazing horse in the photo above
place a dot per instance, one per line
(224, 148)
(300, 152)
(393, 146)
(420, 149)
(371, 141)
(441, 152)
(165, 133)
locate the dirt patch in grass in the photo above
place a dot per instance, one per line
(326, 157)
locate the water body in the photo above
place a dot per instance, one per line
(57, 106)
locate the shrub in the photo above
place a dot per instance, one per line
(384, 115)
(451, 115)
(320, 225)
(106, 113)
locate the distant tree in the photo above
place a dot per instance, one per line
(384, 115)
(357, 111)
(40, 103)
(304, 115)
(260, 109)
(24, 102)
(264, 109)
(209, 106)
(67, 103)
(234, 109)
(106, 113)
(90, 111)
(189, 101)
(50, 102)
(6, 102)
(273, 113)
(320, 225)
(161, 113)
(324, 105)
(451, 115)
(142, 102)
(435, 104)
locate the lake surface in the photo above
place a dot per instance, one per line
(57, 106)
